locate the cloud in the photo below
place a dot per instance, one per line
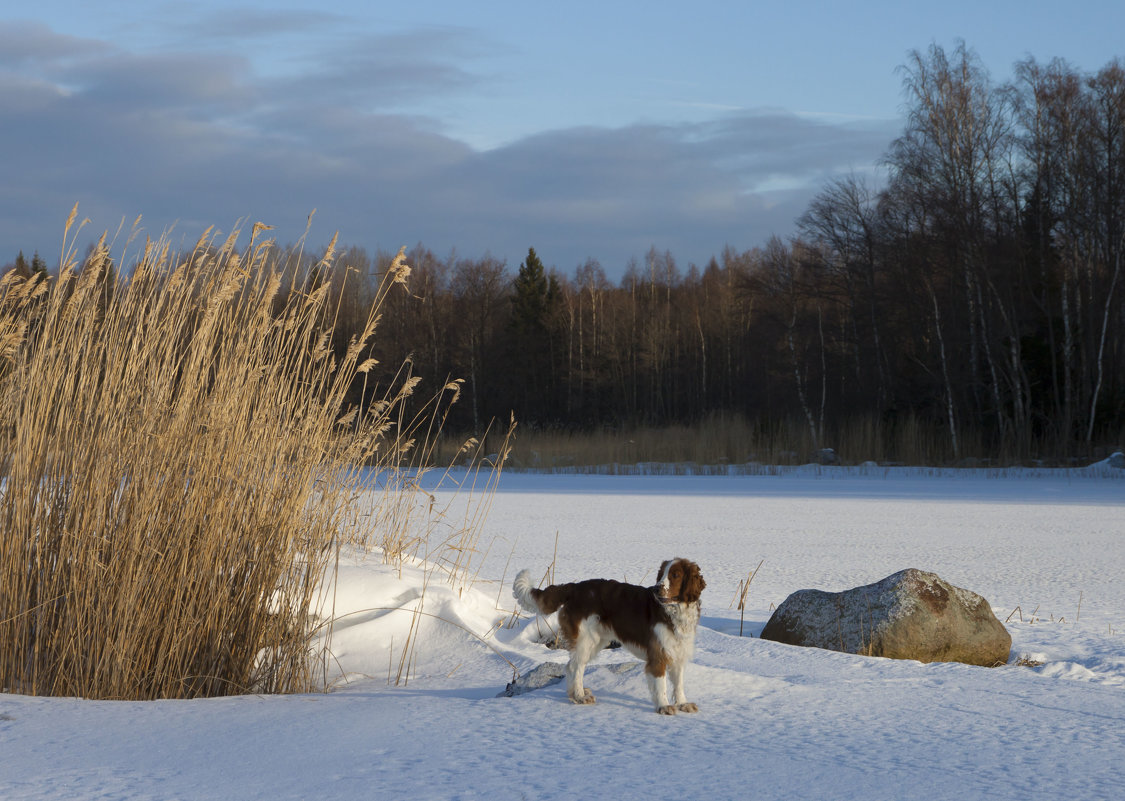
(203, 138)
(242, 24)
(379, 71)
(28, 43)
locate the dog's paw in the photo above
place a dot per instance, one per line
(688, 708)
(668, 709)
(587, 697)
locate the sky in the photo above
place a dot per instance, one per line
(585, 129)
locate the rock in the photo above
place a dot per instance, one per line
(549, 673)
(542, 676)
(911, 614)
(1117, 460)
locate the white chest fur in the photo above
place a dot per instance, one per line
(679, 640)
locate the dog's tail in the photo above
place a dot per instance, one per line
(544, 601)
(524, 591)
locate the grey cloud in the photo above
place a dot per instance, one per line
(377, 71)
(24, 43)
(245, 23)
(200, 85)
(204, 141)
(772, 143)
(690, 188)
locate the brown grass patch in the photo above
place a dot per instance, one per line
(726, 442)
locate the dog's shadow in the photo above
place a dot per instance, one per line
(733, 626)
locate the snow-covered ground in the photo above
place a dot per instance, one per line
(1047, 549)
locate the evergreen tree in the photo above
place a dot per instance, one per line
(38, 265)
(535, 296)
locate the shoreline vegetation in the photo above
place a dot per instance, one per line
(731, 444)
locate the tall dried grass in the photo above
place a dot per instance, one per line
(177, 466)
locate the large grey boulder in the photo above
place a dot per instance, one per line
(911, 614)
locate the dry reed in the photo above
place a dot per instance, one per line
(742, 593)
(178, 463)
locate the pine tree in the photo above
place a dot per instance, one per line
(536, 294)
(533, 294)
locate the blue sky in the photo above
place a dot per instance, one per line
(584, 129)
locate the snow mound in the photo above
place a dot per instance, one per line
(381, 621)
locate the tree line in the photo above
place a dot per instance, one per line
(975, 291)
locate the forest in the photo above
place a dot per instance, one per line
(970, 292)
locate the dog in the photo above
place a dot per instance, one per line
(656, 624)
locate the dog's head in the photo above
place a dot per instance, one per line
(680, 580)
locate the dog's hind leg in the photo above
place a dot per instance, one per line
(586, 644)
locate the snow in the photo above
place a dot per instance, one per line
(775, 722)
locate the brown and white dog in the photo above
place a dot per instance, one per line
(657, 624)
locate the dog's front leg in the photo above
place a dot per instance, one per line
(658, 686)
(681, 701)
(584, 649)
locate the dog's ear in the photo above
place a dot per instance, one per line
(693, 583)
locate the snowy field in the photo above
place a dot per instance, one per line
(1047, 549)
